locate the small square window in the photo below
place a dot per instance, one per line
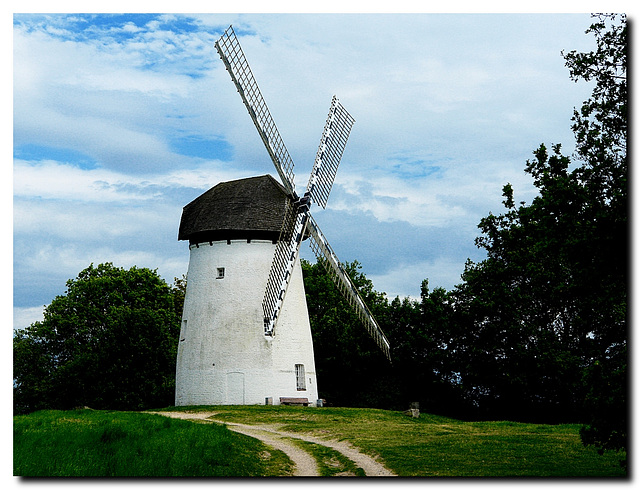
(220, 273)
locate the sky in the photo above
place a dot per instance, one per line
(121, 120)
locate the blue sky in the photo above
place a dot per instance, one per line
(121, 120)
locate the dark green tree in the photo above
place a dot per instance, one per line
(179, 289)
(422, 336)
(519, 312)
(600, 127)
(109, 343)
(543, 317)
(351, 369)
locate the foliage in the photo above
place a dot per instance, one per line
(111, 444)
(606, 403)
(346, 357)
(179, 290)
(352, 371)
(433, 445)
(525, 310)
(601, 136)
(538, 330)
(600, 126)
(109, 342)
(544, 316)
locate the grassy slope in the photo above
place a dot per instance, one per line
(439, 446)
(96, 443)
(101, 444)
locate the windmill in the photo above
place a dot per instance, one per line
(284, 289)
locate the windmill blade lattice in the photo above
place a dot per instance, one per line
(291, 236)
(334, 139)
(231, 53)
(322, 250)
(297, 216)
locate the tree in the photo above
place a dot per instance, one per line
(349, 365)
(544, 315)
(423, 349)
(179, 290)
(601, 136)
(109, 342)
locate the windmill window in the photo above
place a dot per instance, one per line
(184, 330)
(220, 273)
(300, 381)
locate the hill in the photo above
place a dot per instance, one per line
(99, 443)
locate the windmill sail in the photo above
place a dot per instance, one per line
(332, 143)
(229, 49)
(322, 250)
(291, 236)
(334, 138)
(297, 219)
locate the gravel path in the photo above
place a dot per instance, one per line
(305, 464)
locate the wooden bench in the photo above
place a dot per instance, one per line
(284, 400)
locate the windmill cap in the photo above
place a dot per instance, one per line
(251, 208)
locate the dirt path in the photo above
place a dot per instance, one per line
(305, 464)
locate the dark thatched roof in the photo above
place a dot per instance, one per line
(250, 208)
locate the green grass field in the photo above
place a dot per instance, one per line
(96, 443)
(440, 446)
(126, 444)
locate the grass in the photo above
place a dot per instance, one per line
(101, 443)
(125, 444)
(439, 446)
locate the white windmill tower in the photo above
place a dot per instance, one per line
(245, 335)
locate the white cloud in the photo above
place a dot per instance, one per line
(386, 202)
(205, 175)
(25, 316)
(49, 179)
(55, 180)
(96, 101)
(91, 222)
(447, 110)
(447, 197)
(69, 260)
(441, 272)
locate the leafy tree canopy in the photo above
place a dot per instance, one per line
(545, 315)
(109, 343)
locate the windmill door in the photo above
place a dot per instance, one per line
(235, 388)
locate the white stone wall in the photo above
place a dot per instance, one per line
(224, 357)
